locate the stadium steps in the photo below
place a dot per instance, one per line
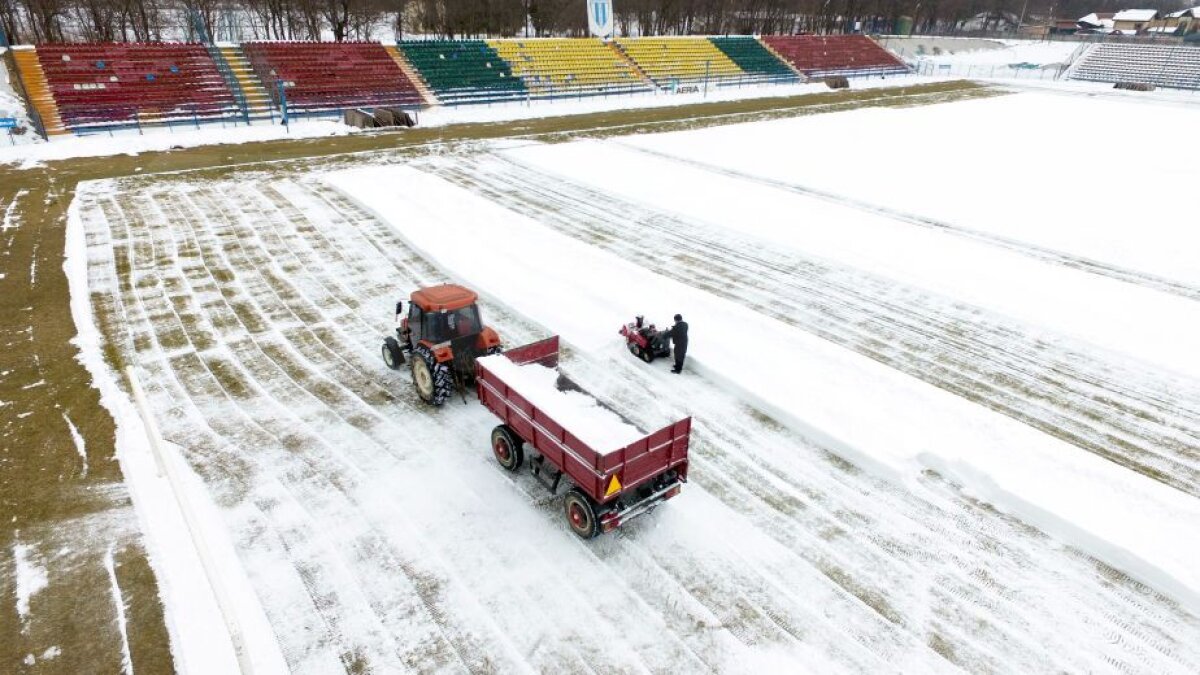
(787, 64)
(258, 101)
(411, 73)
(615, 47)
(37, 88)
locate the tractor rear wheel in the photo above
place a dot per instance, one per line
(581, 514)
(433, 380)
(392, 356)
(508, 448)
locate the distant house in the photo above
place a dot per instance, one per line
(1188, 20)
(1176, 23)
(1096, 22)
(1134, 21)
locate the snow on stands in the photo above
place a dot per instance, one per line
(853, 404)
(600, 428)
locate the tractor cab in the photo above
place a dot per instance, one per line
(444, 333)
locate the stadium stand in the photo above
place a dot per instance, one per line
(100, 86)
(331, 76)
(568, 66)
(824, 55)
(753, 58)
(681, 59)
(1161, 65)
(463, 71)
(37, 90)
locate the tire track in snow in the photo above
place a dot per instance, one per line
(1134, 415)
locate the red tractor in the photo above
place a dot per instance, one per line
(646, 342)
(443, 334)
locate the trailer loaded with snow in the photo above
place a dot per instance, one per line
(617, 472)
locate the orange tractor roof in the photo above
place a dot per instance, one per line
(446, 296)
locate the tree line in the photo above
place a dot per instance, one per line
(39, 21)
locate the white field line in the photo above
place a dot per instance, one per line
(200, 639)
(80, 445)
(211, 571)
(119, 605)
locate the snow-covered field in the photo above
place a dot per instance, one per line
(947, 413)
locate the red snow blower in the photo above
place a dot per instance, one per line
(646, 342)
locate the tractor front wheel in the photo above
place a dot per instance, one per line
(581, 514)
(508, 448)
(392, 356)
(434, 381)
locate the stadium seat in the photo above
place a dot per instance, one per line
(568, 66)
(99, 86)
(1161, 65)
(825, 55)
(463, 71)
(753, 58)
(329, 76)
(680, 59)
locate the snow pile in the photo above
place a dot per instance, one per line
(130, 142)
(30, 577)
(11, 105)
(600, 428)
(852, 404)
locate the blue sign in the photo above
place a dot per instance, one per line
(8, 122)
(600, 18)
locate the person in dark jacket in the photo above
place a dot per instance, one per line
(679, 336)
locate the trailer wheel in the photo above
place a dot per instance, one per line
(508, 448)
(432, 380)
(581, 514)
(392, 356)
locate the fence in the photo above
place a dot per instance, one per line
(1011, 72)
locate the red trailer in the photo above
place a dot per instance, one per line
(610, 488)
